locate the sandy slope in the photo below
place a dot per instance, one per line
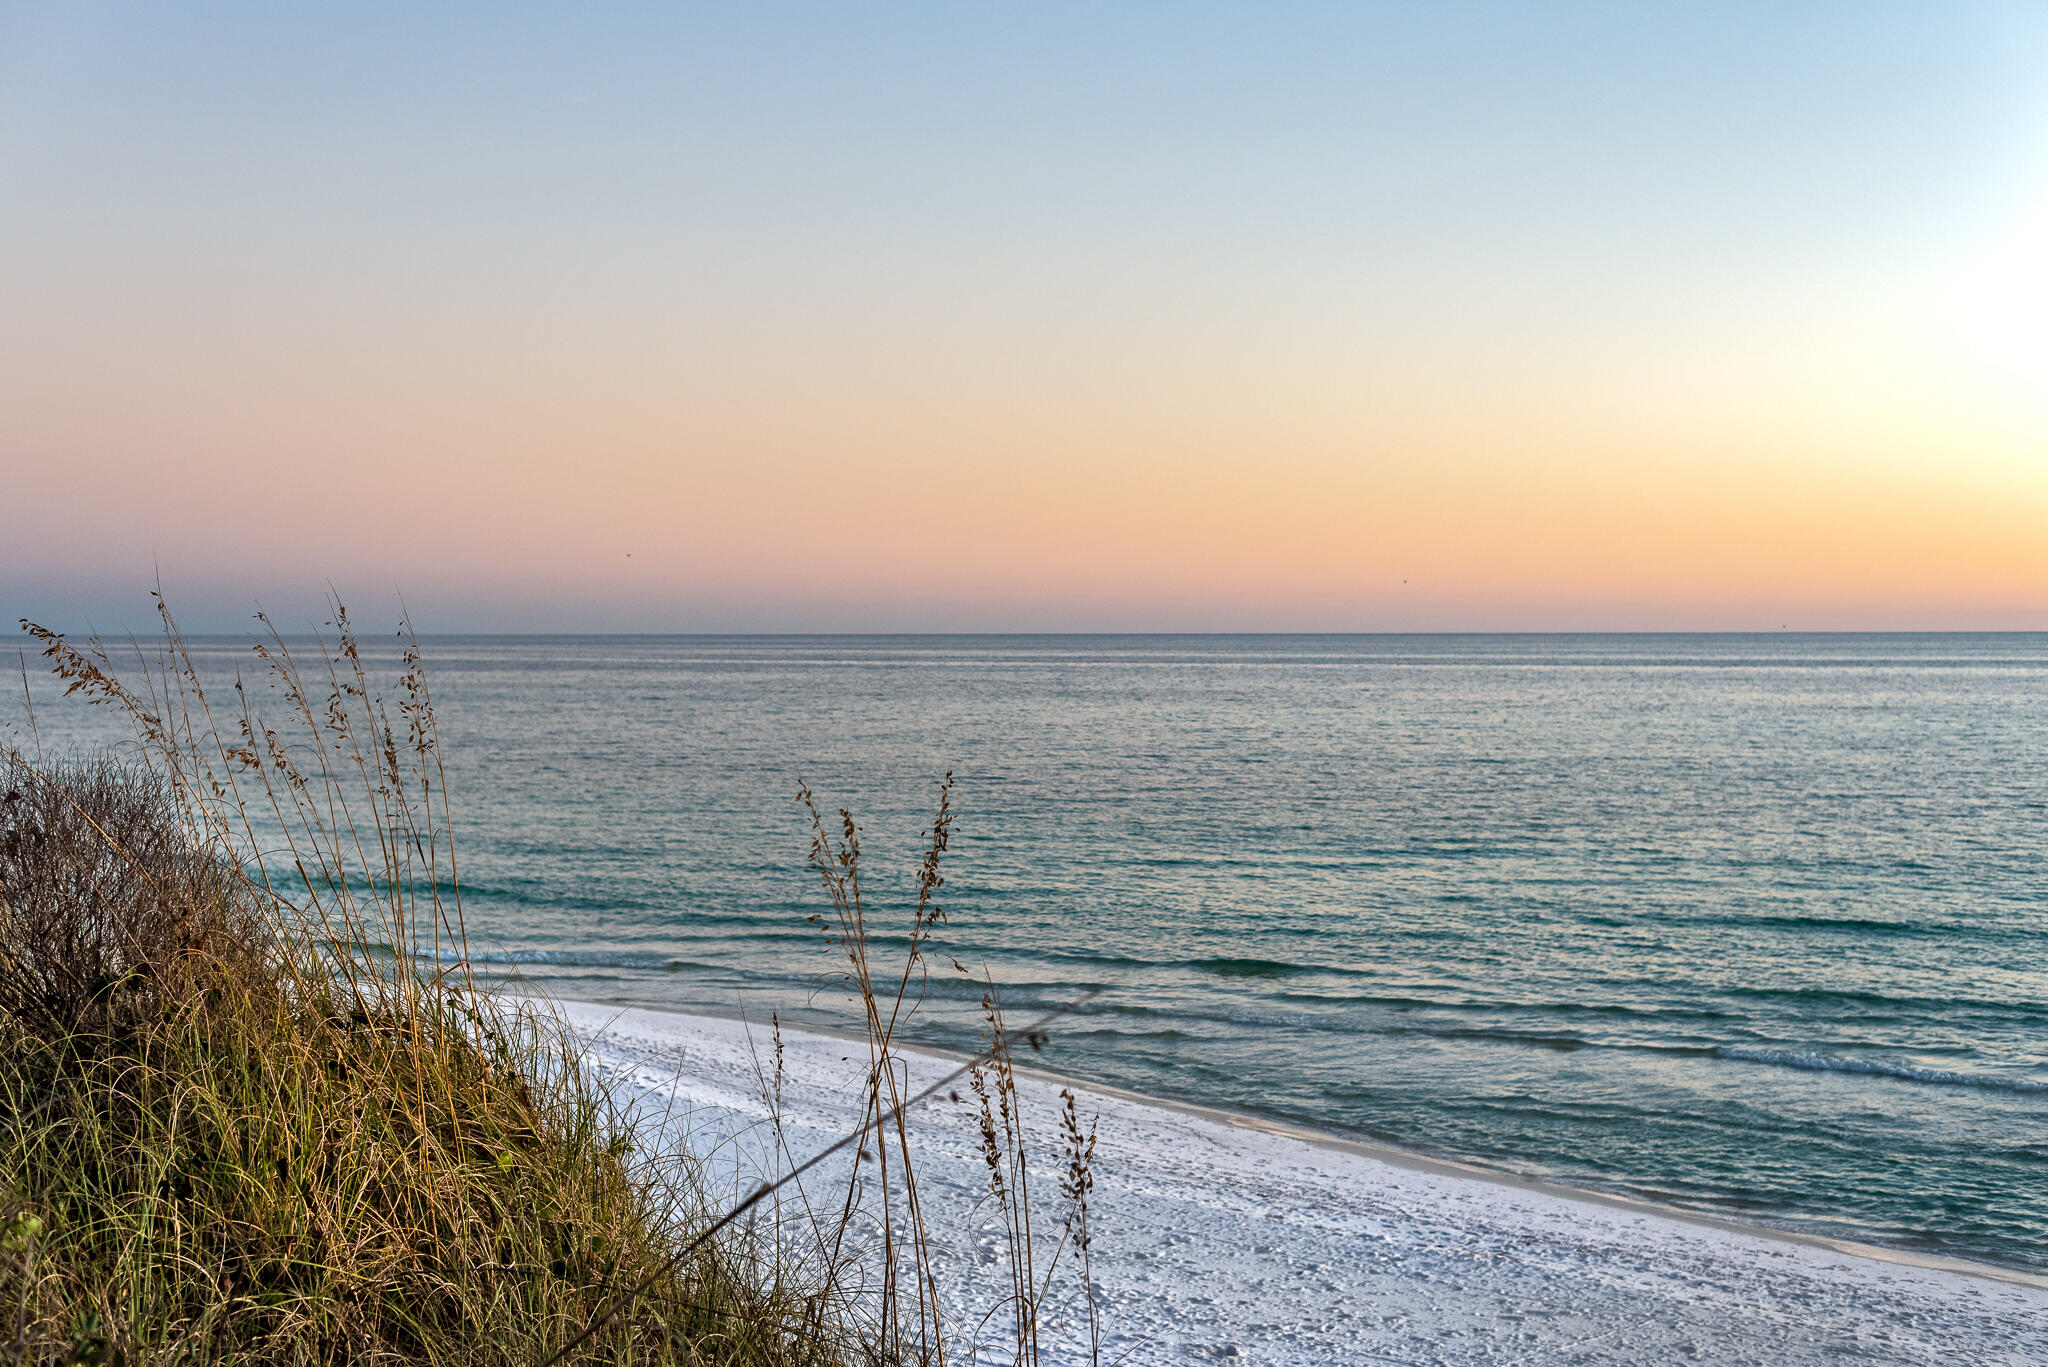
(1222, 1241)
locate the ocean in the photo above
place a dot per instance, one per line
(1756, 925)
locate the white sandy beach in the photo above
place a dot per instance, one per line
(1223, 1240)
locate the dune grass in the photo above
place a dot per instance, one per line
(254, 1107)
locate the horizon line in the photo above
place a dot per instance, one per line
(1159, 633)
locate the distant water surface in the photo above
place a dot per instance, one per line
(1755, 924)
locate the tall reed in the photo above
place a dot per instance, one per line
(909, 1327)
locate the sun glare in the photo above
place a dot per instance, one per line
(1997, 311)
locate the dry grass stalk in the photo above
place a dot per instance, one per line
(911, 1327)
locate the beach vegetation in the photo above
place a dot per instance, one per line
(256, 1105)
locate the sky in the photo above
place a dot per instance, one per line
(1035, 318)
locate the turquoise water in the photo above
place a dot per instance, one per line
(1752, 924)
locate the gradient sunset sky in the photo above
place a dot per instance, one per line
(1046, 317)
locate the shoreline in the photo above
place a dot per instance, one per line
(1475, 1172)
(1224, 1236)
(1413, 1161)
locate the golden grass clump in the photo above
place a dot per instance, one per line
(243, 1120)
